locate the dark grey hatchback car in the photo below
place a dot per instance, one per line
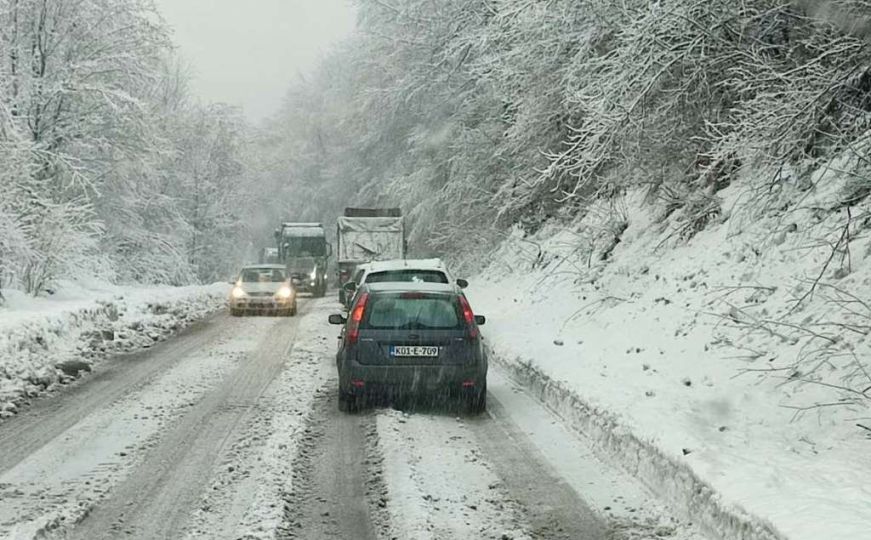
(411, 340)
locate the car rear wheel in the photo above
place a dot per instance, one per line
(477, 402)
(347, 402)
(320, 290)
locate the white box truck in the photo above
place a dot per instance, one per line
(368, 234)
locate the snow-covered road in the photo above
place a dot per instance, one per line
(231, 430)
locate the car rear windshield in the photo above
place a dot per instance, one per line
(412, 311)
(261, 275)
(407, 275)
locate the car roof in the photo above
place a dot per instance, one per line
(403, 264)
(263, 267)
(406, 286)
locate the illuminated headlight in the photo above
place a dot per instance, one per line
(314, 273)
(284, 292)
(238, 293)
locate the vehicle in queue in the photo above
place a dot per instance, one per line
(411, 340)
(364, 235)
(263, 289)
(305, 253)
(347, 291)
(269, 255)
(431, 270)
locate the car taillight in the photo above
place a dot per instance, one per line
(356, 317)
(469, 316)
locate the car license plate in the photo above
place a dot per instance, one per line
(413, 350)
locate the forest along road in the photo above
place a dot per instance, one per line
(231, 430)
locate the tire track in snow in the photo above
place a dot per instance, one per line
(39, 424)
(438, 484)
(543, 419)
(330, 488)
(157, 499)
(59, 483)
(245, 496)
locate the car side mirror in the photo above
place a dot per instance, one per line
(462, 283)
(480, 320)
(350, 286)
(337, 319)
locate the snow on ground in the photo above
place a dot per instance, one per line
(60, 483)
(694, 361)
(49, 340)
(630, 511)
(438, 483)
(246, 494)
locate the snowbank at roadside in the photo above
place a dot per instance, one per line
(51, 340)
(714, 365)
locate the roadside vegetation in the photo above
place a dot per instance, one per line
(108, 167)
(477, 115)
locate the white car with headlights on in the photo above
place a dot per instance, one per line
(263, 288)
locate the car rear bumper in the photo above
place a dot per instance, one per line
(262, 306)
(358, 379)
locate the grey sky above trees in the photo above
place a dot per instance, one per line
(248, 53)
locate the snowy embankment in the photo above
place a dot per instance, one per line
(725, 372)
(49, 341)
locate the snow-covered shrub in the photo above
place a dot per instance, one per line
(65, 243)
(14, 247)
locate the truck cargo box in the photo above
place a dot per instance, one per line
(364, 239)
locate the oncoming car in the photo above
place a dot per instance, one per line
(396, 271)
(263, 288)
(411, 340)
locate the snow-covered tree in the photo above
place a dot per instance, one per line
(108, 168)
(474, 115)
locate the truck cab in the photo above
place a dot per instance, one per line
(304, 250)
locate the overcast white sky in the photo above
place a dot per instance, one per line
(247, 52)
